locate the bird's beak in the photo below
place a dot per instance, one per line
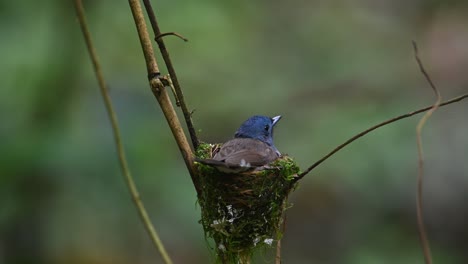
(275, 119)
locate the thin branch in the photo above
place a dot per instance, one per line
(171, 34)
(118, 141)
(278, 243)
(171, 70)
(278, 252)
(359, 135)
(419, 127)
(159, 91)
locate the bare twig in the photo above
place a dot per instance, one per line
(419, 127)
(160, 92)
(171, 85)
(278, 252)
(170, 69)
(278, 243)
(359, 135)
(118, 141)
(171, 34)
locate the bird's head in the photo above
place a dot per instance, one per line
(258, 127)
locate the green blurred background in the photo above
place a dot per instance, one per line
(331, 68)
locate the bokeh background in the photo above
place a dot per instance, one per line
(331, 68)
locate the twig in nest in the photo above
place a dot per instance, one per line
(419, 127)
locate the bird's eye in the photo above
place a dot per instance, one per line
(267, 127)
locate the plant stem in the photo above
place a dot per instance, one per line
(118, 141)
(386, 122)
(171, 70)
(159, 91)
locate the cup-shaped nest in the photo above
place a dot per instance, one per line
(243, 212)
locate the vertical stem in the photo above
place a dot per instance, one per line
(419, 127)
(160, 92)
(171, 70)
(118, 141)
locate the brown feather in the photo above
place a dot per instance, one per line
(252, 151)
(241, 154)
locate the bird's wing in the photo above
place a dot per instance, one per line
(246, 152)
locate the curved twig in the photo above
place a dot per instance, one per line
(419, 127)
(171, 70)
(118, 141)
(171, 34)
(359, 135)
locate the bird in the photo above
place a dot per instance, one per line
(251, 148)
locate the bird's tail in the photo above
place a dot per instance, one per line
(211, 162)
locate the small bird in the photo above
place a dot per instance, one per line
(251, 147)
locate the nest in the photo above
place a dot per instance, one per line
(243, 212)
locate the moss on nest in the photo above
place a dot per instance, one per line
(242, 212)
